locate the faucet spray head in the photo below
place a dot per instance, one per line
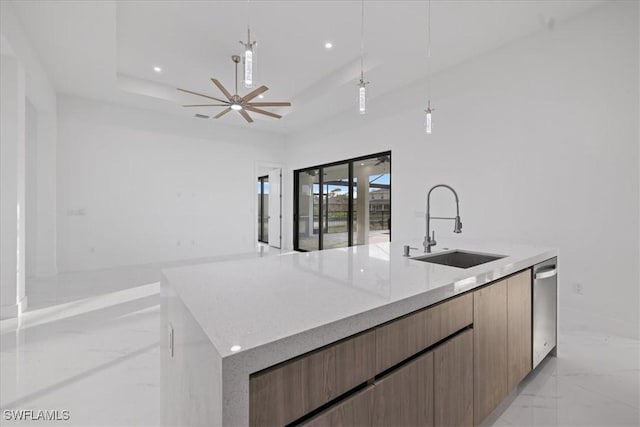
(457, 228)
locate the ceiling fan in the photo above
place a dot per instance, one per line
(382, 159)
(241, 104)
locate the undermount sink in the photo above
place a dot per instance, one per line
(458, 258)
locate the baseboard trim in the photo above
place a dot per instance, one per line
(14, 310)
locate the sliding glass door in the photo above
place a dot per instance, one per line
(343, 203)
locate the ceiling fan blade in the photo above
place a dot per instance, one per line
(222, 113)
(246, 116)
(199, 94)
(270, 104)
(222, 89)
(206, 105)
(248, 97)
(266, 113)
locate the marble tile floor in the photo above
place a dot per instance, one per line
(594, 381)
(89, 344)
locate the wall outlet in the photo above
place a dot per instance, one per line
(577, 287)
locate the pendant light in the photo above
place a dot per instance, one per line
(362, 86)
(249, 56)
(428, 110)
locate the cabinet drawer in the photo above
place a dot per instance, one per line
(288, 391)
(453, 381)
(354, 411)
(405, 396)
(410, 334)
(455, 314)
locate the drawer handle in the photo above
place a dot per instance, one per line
(545, 273)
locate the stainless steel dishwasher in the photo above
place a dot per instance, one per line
(545, 309)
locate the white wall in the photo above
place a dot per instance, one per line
(539, 137)
(31, 190)
(40, 93)
(12, 179)
(139, 187)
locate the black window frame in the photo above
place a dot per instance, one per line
(320, 168)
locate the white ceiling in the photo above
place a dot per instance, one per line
(107, 50)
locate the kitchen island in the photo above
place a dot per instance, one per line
(324, 337)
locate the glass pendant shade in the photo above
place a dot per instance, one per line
(249, 59)
(248, 65)
(427, 119)
(362, 97)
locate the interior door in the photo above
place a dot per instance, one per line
(275, 207)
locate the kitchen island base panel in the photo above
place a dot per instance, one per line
(191, 371)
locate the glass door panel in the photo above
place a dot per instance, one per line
(335, 209)
(371, 200)
(308, 218)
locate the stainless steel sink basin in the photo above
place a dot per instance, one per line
(458, 258)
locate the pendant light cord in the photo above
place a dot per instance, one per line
(429, 49)
(248, 14)
(362, 42)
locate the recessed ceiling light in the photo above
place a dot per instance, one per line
(235, 348)
(328, 45)
(260, 96)
(157, 69)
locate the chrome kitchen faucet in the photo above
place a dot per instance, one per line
(457, 228)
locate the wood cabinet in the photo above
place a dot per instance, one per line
(489, 348)
(454, 315)
(502, 340)
(401, 338)
(405, 396)
(356, 410)
(453, 381)
(519, 340)
(288, 391)
(443, 372)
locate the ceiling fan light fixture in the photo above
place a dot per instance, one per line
(234, 102)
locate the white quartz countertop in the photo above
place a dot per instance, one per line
(288, 304)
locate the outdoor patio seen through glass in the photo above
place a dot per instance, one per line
(343, 203)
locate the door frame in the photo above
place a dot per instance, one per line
(261, 213)
(261, 169)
